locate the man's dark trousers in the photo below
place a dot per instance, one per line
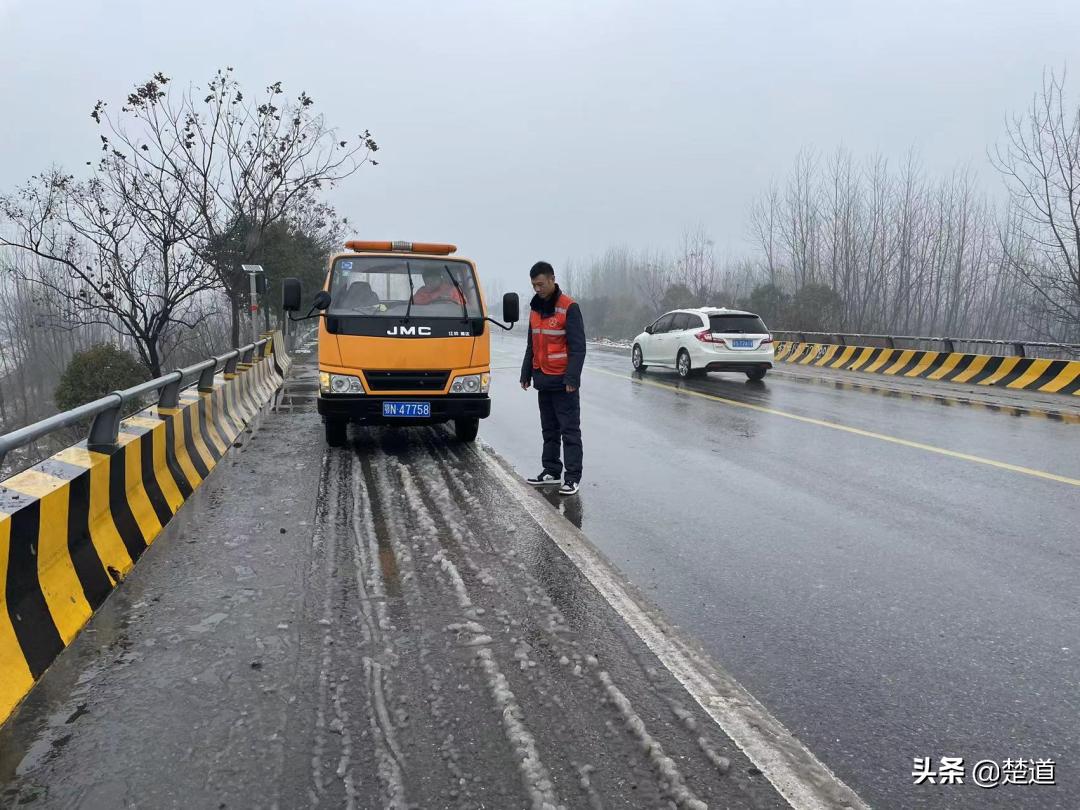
(560, 420)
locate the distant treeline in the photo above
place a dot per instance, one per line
(862, 246)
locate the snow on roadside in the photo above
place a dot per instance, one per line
(609, 343)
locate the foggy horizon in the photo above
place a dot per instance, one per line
(555, 134)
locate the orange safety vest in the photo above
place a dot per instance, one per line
(549, 338)
(444, 292)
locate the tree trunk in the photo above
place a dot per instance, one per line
(153, 359)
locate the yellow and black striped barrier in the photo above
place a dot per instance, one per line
(72, 527)
(276, 346)
(1027, 373)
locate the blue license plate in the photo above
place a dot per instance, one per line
(415, 410)
(743, 343)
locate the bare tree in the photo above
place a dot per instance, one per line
(1041, 165)
(765, 230)
(652, 274)
(111, 252)
(799, 225)
(695, 266)
(241, 163)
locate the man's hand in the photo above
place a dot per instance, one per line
(571, 389)
(524, 386)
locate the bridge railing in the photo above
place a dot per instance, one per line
(1015, 348)
(108, 411)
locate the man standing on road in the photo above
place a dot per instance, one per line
(554, 357)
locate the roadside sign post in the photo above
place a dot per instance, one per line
(253, 270)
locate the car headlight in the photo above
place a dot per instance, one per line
(471, 384)
(339, 383)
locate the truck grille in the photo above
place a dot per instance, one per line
(406, 380)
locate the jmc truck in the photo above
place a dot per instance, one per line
(403, 338)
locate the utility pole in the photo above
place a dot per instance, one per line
(254, 271)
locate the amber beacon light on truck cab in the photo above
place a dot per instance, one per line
(403, 338)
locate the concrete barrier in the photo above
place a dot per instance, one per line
(282, 361)
(73, 526)
(1026, 373)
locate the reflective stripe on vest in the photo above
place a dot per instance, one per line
(549, 338)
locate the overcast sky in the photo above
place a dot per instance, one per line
(556, 129)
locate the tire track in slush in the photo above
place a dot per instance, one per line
(322, 544)
(428, 597)
(458, 517)
(434, 603)
(454, 471)
(534, 774)
(339, 719)
(371, 593)
(334, 642)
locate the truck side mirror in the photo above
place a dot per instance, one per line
(290, 294)
(322, 300)
(511, 308)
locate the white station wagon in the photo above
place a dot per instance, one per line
(695, 341)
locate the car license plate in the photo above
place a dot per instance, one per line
(743, 343)
(416, 410)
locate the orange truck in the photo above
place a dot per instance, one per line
(403, 338)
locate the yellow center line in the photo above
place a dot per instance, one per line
(1001, 465)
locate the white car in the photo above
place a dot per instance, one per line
(694, 341)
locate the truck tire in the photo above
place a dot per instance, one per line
(337, 432)
(466, 428)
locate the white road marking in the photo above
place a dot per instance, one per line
(800, 777)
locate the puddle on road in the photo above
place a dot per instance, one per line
(572, 508)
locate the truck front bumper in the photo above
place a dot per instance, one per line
(368, 410)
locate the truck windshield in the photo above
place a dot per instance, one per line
(381, 286)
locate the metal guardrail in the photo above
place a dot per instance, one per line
(107, 412)
(1017, 348)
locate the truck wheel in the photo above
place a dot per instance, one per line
(337, 432)
(466, 429)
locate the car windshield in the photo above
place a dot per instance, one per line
(381, 286)
(737, 324)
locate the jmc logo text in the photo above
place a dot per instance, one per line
(409, 331)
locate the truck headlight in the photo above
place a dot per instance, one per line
(471, 384)
(339, 383)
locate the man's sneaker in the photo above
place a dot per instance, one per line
(544, 479)
(569, 488)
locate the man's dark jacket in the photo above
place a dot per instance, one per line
(575, 347)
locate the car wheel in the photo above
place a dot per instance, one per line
(466, 429)
(337, 432)
(756, 373)
(682, 364)
(637, 359)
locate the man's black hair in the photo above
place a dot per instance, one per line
(542, 269)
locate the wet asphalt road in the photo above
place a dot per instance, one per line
(336, 629)
(373, 626)
(884, 601)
